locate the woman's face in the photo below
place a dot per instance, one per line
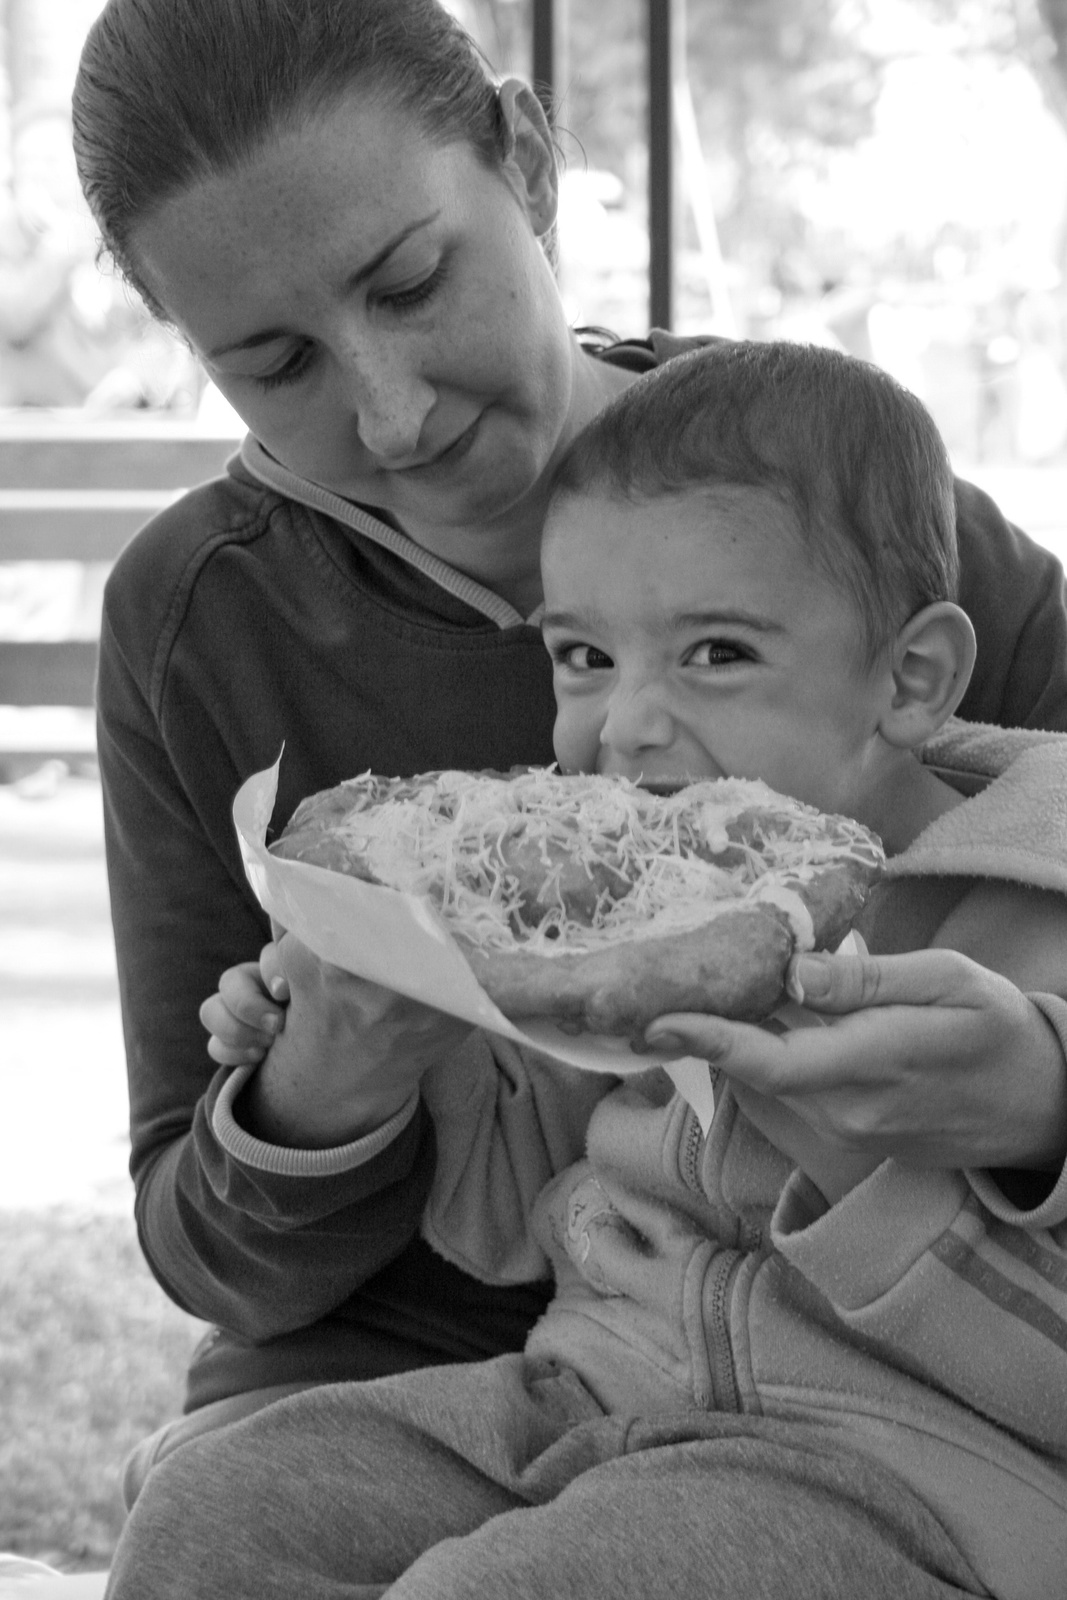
(378, 309)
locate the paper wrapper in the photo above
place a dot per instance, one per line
(399, 941)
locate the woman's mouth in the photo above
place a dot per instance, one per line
(446, 458)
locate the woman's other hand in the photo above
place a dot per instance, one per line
(927, 1057)
(349, 1057)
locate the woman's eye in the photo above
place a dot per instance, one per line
(289, 372)
(582, 657)
(417, 295)
(715, 653)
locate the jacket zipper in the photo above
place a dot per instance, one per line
(689, 1156)
(721, 1274)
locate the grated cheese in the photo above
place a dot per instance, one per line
(613, 860)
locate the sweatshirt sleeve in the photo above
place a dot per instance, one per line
(259, 1251)
(506, 1120)
(913, 1262)
(1015, 594)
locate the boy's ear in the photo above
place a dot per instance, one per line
(530, 164)
(932, 662)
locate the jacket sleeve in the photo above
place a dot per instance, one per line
(1029, 1199)
(1015, 594)
(259, 1251)
(506, 1120)
(914, 1264)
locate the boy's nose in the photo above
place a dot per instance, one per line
(638, 720)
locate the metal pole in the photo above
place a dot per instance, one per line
(660, 166)
(696, 185)
(544, 53)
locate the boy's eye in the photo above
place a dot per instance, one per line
(715, 653)
(581, 657)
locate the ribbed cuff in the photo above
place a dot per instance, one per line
(297, 1163)
(1053, 1209)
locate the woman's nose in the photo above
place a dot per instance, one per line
(391, 403)
(638, 719)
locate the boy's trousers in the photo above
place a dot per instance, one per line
(506, 1481)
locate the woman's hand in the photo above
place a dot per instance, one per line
(349, 1057)
(927, 1057)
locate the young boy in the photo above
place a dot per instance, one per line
(769, 1368)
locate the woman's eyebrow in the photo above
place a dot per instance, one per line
(369, 267)
(361, 274)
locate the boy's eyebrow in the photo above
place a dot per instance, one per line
(360, 275)
(570, 619)
(731, 614)
(735, 616)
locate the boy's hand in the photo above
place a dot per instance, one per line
(248, 1012)
(927, 1057)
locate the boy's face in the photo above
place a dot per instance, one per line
(692, 636)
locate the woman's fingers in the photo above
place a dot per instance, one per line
(845, 983)
(770, 1063)
(941, 1062)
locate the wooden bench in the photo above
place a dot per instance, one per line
(75, 489)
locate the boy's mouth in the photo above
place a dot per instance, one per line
(665, 785)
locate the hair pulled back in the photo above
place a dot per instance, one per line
(170, 92)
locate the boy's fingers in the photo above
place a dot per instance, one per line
(242, 992)
(231, 1056)
(233, 1036)
(271, 974)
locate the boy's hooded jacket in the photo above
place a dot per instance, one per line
(922, 1319)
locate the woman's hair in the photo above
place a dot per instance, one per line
(172, 91)
(855, 456)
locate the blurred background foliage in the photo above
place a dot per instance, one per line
(888, 175)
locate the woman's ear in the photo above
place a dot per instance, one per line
(530, 163)
(932, 662)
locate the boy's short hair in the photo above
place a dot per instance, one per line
(856, 457)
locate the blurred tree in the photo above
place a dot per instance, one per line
(1040, 39)
(1031, 31)
(781, 88)
(778, 84)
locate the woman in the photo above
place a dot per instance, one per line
(345, 218)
